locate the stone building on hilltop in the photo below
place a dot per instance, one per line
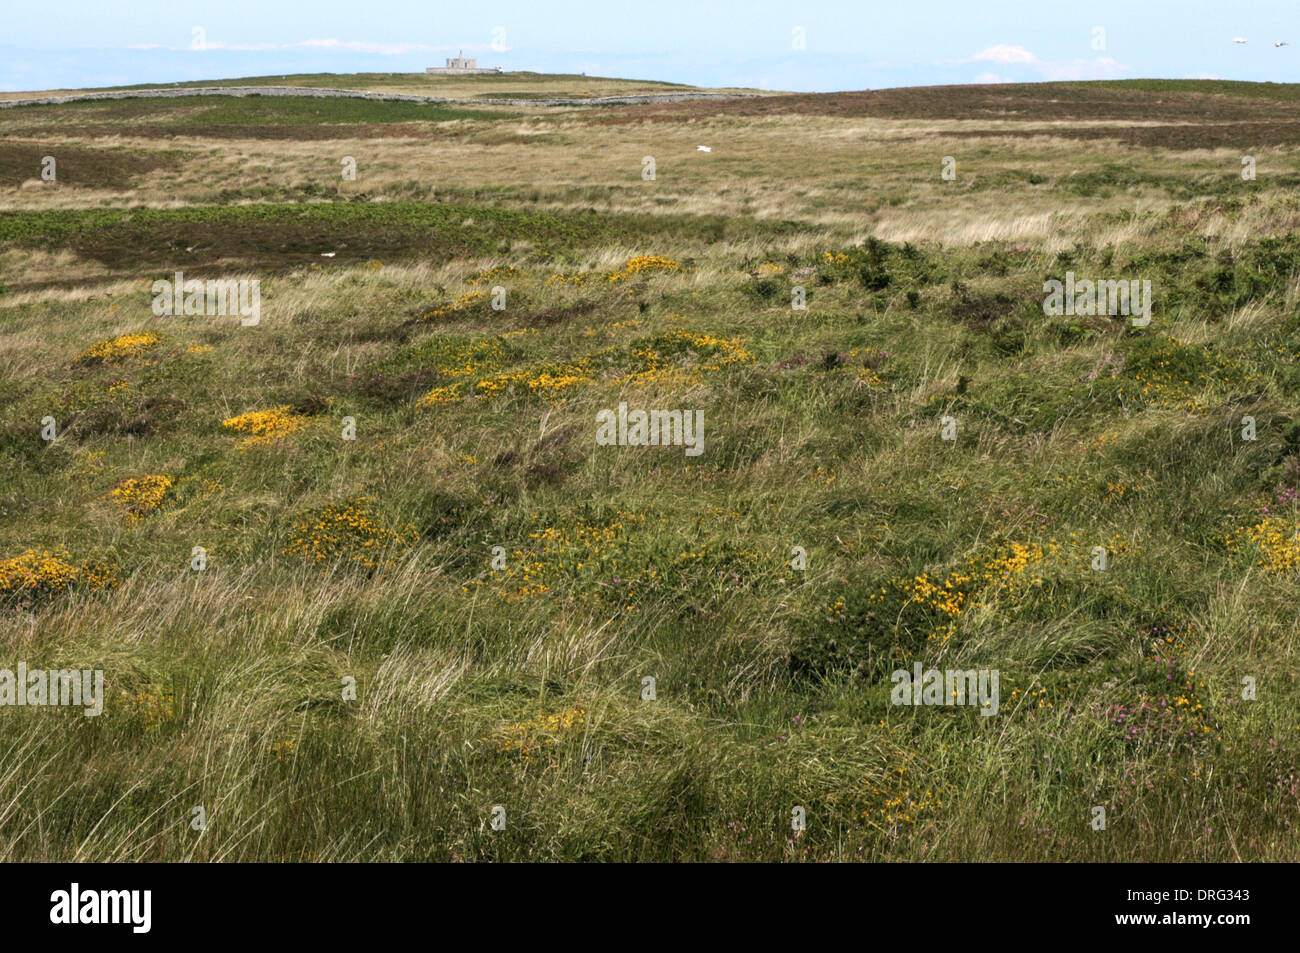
(462, 65)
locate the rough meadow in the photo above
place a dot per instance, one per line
(401, 567)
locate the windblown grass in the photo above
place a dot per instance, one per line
(498, 587)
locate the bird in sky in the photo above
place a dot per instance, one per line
(1281, 43)
(1238, 39)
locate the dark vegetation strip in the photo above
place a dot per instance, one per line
(1285, 92)
(322, 93)
(1024, 101)
(280, 235)
(1244, 135)
(251, 111)
(77, 166)
(289, 133)
(371, 80)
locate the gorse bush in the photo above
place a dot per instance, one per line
(140, 496)
(36, 574)
(351, 532)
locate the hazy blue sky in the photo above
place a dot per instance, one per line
(74, 43)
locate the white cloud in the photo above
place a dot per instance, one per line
(1003, 53)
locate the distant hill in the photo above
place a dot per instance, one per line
(512, 85)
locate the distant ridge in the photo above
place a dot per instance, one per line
(175, 93)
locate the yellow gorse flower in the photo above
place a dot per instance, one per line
(675, 356)
(266, 426)
(632, 268)
(43, 571)
(283, 750)
(501, 273)
(142, 495)
(350, 531)
(642, 265)
(527, 738)
(154, 707)
(460, 304)
(118, 348)
(1278, 540)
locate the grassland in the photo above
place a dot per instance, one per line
(512, 85)
(372, 559)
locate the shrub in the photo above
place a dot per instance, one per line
(141, 496)
(37, 574)
(266, 426)
(118, 348)
(350, 532)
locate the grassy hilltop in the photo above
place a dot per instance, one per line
(512, 85)
(327, 559)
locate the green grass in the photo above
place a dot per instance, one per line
(1284, 92)
(280, 234)
(522, 686)
(382, 80)
(203, 111)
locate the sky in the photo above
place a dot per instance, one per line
(801, 46)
